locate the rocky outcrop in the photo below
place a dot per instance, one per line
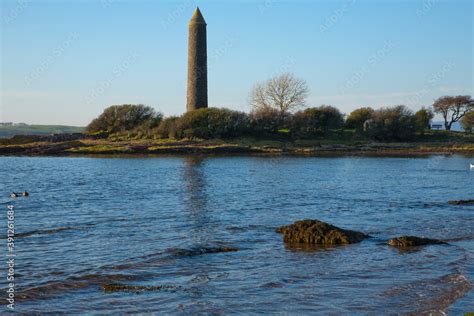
(412, 241)
(462, 202)
(319, 233)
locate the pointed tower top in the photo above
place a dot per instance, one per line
(197, 17)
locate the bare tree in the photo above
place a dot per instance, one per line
(284, 93)
(453, 108)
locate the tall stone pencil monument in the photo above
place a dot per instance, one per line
(197, 63)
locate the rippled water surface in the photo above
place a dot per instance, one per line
(93, 228)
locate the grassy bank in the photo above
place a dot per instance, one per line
(444, 144)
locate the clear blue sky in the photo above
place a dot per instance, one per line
(63, 62)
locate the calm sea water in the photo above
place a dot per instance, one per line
(91, 222)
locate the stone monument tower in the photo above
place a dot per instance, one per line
(197, 63)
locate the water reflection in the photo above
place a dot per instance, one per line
(196, 188)
(199, 224)
(196, 199)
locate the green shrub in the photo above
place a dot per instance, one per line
(212, 123)
(316, 121)
(396, 123)
(467, 122)
(167, 128)
(266, 121)
(125, 118)
(358, 117)
(423, 118)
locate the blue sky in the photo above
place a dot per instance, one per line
(63, 62)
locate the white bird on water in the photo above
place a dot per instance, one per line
(472, 166)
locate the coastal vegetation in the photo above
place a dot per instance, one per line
(280, 111)
(453, 108)
(126, 118)
(280, 122)
(433, 142)
(388, 124)
(467, 122)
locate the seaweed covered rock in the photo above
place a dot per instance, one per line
(319, 233)
(179, 252)
(412, 241)
(462, 202)
(110, 288)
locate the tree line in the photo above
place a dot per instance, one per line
(279, 108)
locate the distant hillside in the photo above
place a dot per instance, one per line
(7, 131)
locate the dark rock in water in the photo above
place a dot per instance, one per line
(45, 231)
(319, 233)
(110, 288)
(412, 241)
(200, 251)
(461, 202)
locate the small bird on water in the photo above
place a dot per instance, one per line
(26, 194)
(14, 195)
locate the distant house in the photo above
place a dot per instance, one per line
(436, 126)
(439, 126)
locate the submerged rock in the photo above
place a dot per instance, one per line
(111, 288)
(179, 252)
(44, 232)
(319, 233)
(412, 241)
(461, 202)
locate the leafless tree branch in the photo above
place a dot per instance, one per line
(284, 93)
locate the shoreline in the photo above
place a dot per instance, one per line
(103, 148)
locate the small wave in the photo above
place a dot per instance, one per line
(420, 204)
(455, 239)
(109, 282)
(54, 288)
(168, 255)
(250, 227)
(50, 231)
(43, 232)
(432, 296)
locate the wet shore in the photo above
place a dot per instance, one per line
(105, 147)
